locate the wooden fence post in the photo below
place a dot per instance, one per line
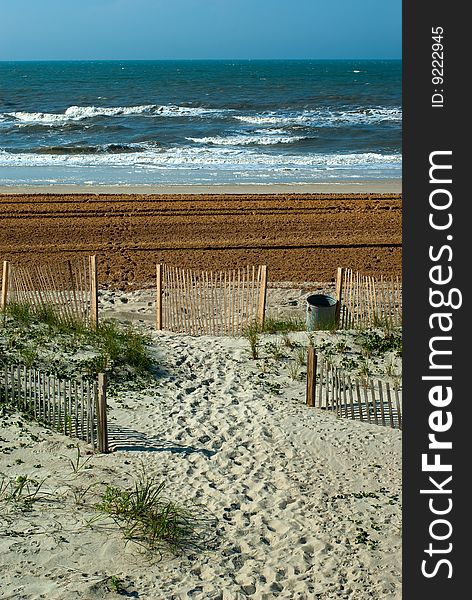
(159, 296)
(339, 294)
(397, 403)
(6, 273)
(102, 413)
(262, 297)
(93, 291)
(311, 362)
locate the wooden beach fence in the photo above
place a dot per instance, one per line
(210, 302)
(364, 301)
(73, 407)
(364, 399)
(69, 287)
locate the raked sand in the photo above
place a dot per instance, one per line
(299, 236)
(305, 505)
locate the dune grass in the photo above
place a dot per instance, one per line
(273, 325)
(21, 491)
(29, 334)
(120, 346)
(147, 518)
(28, 315)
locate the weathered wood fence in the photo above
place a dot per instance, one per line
(76, 408)
(210, 302)
(365, 301)
(366, 399)
(69, 287)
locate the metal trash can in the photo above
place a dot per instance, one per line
(320, 312)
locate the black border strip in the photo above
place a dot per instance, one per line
(428, 128)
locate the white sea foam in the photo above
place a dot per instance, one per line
(187, 111)
(266, 119)
(78, 113)
(201, 157)
(314, 118)
(325, 117)
(247, 140)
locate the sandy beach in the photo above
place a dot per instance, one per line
(376, 186)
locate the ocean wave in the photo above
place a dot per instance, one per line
(247, 140)
(310, 118)
(325, 117)
(79, 113)
(80, 150)
(76, 113)
(201, 157)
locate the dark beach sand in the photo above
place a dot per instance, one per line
(300, 236)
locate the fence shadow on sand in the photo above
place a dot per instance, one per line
(126, 439)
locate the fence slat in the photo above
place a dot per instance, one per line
(93, 396)
(262, 296)
(381, 398)
(43, 388)
(89, 417)
(158, 296)
(93, 291)
(102, 414)
(359, 400)
(389, 401)
(351, 400)
(5, 281)
(188, 301)
(339, 294)
(399, 410)
(311, 360)
(327, 377)
(374, 401)
(320, 384)
(344, 393)
(337, 391)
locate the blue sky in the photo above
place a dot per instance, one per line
(199, 29)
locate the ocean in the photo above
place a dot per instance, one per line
(199, 122)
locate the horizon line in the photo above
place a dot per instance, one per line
(187, 59)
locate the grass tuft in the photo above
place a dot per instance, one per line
(122, 347)
(47, 314)
(22, 491)
(21, 312)
(147, 518)
(251, 333)
(373, 341)
(294, 371)
(272, 325)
